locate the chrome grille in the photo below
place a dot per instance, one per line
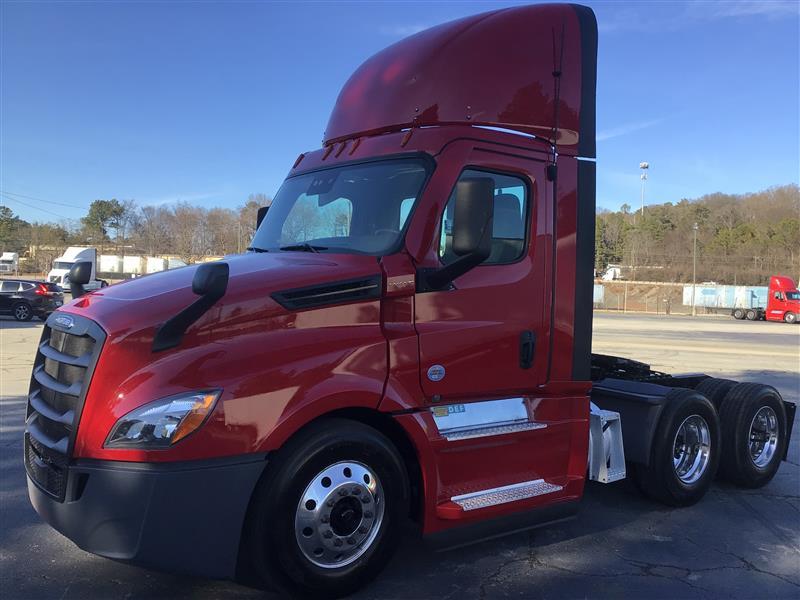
(61, 372)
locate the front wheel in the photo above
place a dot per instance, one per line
(326, 516)
(790, 317)
(685, 453)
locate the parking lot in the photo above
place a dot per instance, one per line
(735, 543)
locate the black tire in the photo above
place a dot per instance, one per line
(751, 315)
(739, 409)
(738, 313)
(715, 389)
(790, 317)
(659, 480)
(276, 557)
(22, 311)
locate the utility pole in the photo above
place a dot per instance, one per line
(694, 271)
(643, 166)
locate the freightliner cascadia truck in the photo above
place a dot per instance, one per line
(783, 303)
(408, 337)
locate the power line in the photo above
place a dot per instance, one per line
(43, 200)
(49, 212)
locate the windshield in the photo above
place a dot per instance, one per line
(62, 265)
(793, 295)
(359, 209)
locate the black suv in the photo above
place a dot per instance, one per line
(24, 299)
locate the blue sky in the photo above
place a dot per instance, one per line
(208, 102)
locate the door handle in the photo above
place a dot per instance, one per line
(527, 345)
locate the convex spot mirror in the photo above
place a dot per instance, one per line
(211, 279)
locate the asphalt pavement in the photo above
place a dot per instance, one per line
(735, 543)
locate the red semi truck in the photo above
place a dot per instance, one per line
(408, 336)
(783, 303)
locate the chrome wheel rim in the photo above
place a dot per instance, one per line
(763, 436)
(21, 312)
(339, 515)
(691, 449)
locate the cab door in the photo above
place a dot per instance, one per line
(503, 436)
(486, 336)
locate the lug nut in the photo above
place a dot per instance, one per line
(327, 535)
(357, 491)
(351, 541)
(330, 503)
(337, 542)
(368, 514)
(342, 492)
(365, 499)
(324, 518)
(362, 529)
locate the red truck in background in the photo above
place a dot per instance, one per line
(783, 303)
(408, 336)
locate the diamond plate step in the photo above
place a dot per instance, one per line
(477, 432)
(502, 495)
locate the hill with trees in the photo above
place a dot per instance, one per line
(741, 239)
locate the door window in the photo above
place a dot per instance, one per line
(10, 286)
(510, 218)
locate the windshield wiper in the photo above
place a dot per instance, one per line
(255, 249)
(304, 247)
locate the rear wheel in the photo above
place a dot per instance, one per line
(738, 313)
(715, 389)
(685, 453)
(790, 317)
(751, 315)
(326, 516)
(22, 311)
(754, 425)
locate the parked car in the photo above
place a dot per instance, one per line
(24, 299)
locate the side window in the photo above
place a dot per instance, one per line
(405, 210)
(10, 286)
(26, 287)
(510, 216)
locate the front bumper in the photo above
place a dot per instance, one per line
(180, 517)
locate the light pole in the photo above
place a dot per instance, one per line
(694, 270)
(643, 166)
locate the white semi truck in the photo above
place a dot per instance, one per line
(9, 262)
(59, 274)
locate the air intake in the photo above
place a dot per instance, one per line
(326, 294)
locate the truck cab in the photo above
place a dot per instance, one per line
(59, 274)
(783, 300)
(407, 337)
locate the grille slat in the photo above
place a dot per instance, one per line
(61, 374)
(46, 380)
(44, 409)
(50, 352)
(44, 437)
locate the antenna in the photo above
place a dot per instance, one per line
(557, 66)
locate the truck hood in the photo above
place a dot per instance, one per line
(138, 306)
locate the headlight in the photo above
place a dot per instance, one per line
(162, 423)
